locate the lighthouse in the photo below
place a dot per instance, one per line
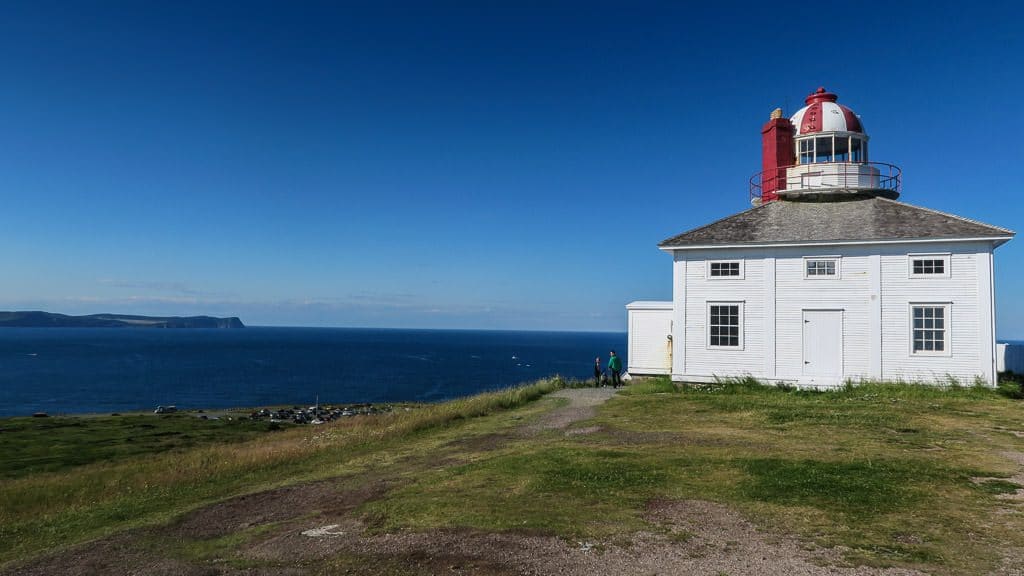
(821, 152)
(828, 278)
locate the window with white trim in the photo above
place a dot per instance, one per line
(807, 151)
(929, 329)
(725, 324)
(929, 265)
(725, 269)
(821, 267)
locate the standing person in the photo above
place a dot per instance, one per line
(597, 372)
(615, 367)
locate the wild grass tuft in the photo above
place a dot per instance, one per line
(658, 385)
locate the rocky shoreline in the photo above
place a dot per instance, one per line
(319, 414)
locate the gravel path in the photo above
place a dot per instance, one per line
(583, 403)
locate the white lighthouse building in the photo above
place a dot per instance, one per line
(828, 278)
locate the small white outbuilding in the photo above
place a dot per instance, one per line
(827, 278)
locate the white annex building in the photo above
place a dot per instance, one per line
(827, 278)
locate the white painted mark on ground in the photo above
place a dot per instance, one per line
(322, 531)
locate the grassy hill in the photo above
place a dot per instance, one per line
(892, 475)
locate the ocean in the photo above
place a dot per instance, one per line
(102, 370)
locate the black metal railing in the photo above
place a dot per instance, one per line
(839, 176)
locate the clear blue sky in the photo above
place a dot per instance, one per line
(463, 164)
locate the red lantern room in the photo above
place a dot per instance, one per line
(820, 153)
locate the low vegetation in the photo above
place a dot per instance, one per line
(35, 445)
(899, 474)
(79, 501)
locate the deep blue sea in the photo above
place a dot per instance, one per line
(74, 370)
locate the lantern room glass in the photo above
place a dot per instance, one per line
(822, 150)
(806, 151)
(832, 148)
(842, 150)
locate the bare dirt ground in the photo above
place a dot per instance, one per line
(316, 529)
(700, 538)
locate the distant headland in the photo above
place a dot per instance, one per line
(37, 319)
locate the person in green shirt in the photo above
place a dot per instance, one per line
(615, 367)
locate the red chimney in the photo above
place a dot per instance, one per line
(776, 154)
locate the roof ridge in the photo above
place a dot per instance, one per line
(948, 215)
(722, 219)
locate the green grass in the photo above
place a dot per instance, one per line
(862, 489)
(883, 469)
(996, 486)
(897, 474)
(48, 510)
(35, 445)
(213, 548)
(641, 386)
(532, 490)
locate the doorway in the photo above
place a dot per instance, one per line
(823, 343)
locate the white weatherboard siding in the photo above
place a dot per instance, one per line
(678, 316)
(650, 324)
(960, 291)
(874, 291)
(849, 292)
(701, 360)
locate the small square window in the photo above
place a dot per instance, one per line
(821, 267)
(725, 269)
(929, 265)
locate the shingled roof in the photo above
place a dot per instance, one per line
(863, 219)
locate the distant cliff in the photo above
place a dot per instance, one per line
(36, 319)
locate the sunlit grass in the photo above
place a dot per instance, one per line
(897, 474)
(46, 510)
(890, 471)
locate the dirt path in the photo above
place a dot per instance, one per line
(583, 403)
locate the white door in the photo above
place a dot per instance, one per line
(823, 343)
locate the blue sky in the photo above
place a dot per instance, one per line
(462, 164)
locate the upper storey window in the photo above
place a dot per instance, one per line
(929, 265)
(832, 148)
(725, 269)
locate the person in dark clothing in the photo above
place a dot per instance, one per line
(597, 371)
(615, 367)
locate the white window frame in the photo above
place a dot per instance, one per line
(707, 270)
(811, 149)
(707, 325)
(801, 150)
(947, 330)
(839, 267)
(943, 256)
